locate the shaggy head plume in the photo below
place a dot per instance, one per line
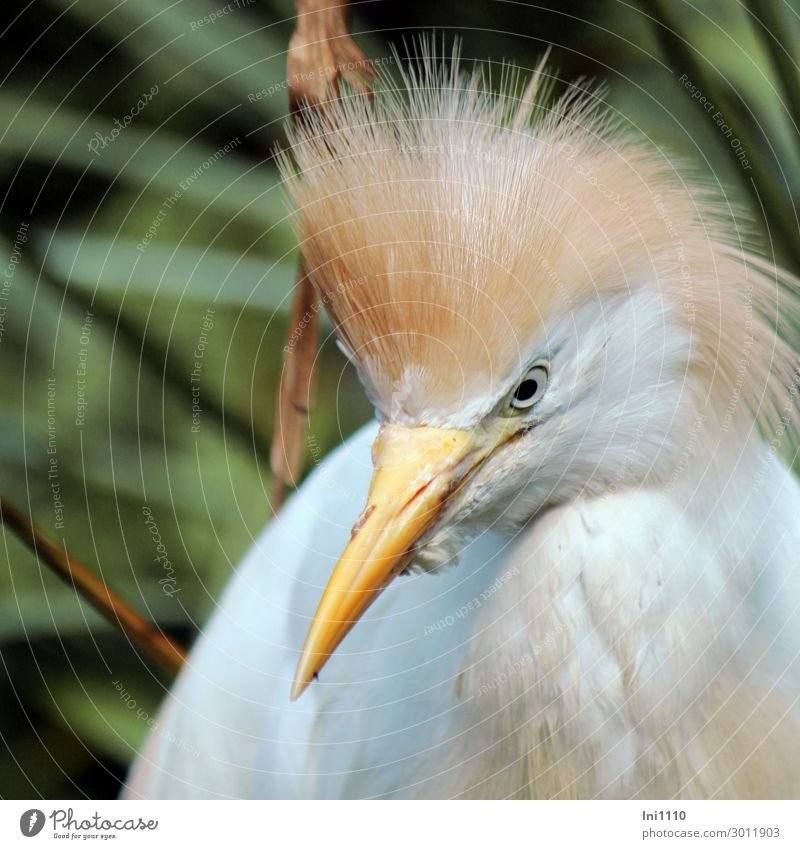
(446, 227)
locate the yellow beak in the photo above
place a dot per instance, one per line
(416, 470)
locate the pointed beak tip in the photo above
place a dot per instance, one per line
(416, 469)
(298, 688)
(304, 674)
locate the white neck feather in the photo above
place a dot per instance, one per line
(612, 660)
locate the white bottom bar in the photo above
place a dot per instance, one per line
(409, 825)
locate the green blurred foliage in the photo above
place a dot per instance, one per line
(95, 311)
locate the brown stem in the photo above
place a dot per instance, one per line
(295, 391)
(321, 51)
(156, 644)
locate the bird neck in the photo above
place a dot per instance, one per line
(624, 623)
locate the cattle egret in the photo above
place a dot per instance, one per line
(585, 387)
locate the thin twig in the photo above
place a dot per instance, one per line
(295, 391)
(321, 51)
(169, 655)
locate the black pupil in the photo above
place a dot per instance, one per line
(526, 390)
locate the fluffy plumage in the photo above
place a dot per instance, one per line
(445, 225)
(625, 618)
(617, 649)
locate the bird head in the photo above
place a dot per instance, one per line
(539, 305)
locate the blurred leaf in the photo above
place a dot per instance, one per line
(115, 268)
(223, 60)
(154, 160)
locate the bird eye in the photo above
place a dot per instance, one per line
(530, 389)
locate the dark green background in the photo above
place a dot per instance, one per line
(68, 70)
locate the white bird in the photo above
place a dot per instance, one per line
(586, 394)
